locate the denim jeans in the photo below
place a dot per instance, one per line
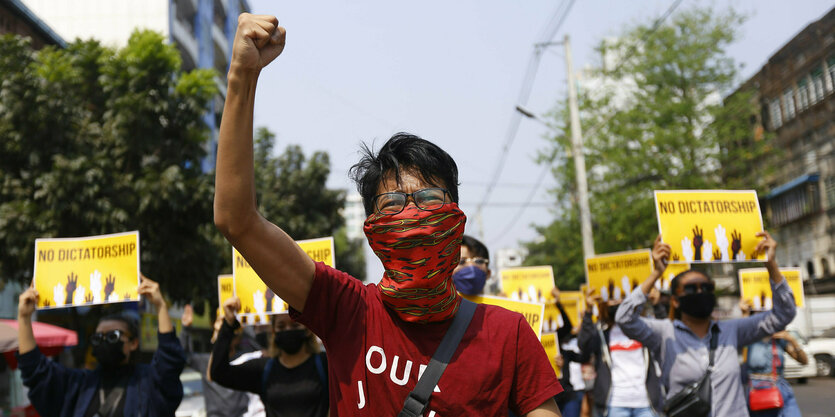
(631, 412)
(571, 408)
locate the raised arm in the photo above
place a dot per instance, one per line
(25, 307)
(244, 377)
(48, 381)
(283, 266)
(647, 331)
(756, 327)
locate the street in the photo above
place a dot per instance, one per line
(816, 397)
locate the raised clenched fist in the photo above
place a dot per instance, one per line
(258, 41)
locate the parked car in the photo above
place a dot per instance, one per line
(193, 404)
(822, 348)
(792, 369)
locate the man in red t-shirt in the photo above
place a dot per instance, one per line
(380, 338)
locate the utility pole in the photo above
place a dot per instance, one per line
(579, 158)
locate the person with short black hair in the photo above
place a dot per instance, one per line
(380, 338)
(118, 387)
(682, 346)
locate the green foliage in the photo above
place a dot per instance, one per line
(292, 193)
(100, 141)
(97, 141)
(656, 121)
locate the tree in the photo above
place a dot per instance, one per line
(655, 120)
(98, 141)
(292, 193)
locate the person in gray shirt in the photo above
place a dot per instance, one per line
(681, 346)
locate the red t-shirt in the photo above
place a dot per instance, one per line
(375, 359)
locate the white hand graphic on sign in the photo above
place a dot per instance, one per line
(687, 249)
(722, 242)
(259, 304)
(58, 295)
(627, 286)
(95, 286)
(707, 251)
(78, 296)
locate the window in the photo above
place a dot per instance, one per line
(810, 268)
(825, 267)
(795, 204)
(774, 114)
(788, 104)
(831, 64)
(829, 189)
(816, 85)
(802, 94)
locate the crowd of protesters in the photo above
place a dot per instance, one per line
(382, 340)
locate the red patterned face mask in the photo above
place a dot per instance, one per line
(419, 250)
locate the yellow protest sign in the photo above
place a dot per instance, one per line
(528, 283)
(87, 270)
(320, 250)
(533, 312)
(225, 291)
(615, 275)
(710, 226)
(257, 300)
(755, 286)
(551, 345)
(571, 302)
(663, 283)
(574, 304)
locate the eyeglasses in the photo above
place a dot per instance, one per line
(706, 287)
(475, 260)
(425, 199)
(110, 337)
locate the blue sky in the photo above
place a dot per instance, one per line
(451, 71)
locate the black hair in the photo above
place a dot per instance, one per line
(130, 323)
(475, 246)
(408, 152)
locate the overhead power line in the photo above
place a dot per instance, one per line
(658, 22)
(546, 36)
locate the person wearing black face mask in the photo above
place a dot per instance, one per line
(291, 380)
(683, 344)
(118, 387)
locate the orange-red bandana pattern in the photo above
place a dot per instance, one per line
(419, 250)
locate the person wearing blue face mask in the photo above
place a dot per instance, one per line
(472, 272)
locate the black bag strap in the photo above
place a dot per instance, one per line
(417, 400)
(714, 342)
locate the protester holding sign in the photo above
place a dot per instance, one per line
(291, 380)
(380, 337)
(764, 361)
(682, 345)
(571, 358)
(118, 386)
(626, 383)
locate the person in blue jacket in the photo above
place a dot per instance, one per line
(117, 387)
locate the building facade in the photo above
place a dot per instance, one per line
(202, 30)
(17, 19)
(796, 90)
